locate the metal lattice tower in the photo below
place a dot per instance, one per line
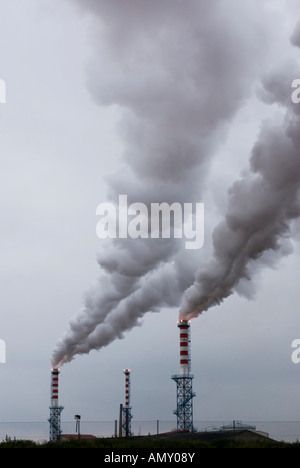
(127, 416)
(184, 382)
(54, 420)
(55, 409)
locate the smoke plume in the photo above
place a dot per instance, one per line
(180, 72)
(257, 226)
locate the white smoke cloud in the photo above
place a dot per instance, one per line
(181, 71)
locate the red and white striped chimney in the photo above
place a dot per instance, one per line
(127, 387)
(54, 386)
(184, 326)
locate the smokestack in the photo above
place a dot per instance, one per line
(184, 381)
(127, 387)
(55, 409)
(54, 386)
(185, 359)
(127, 416)
(120, 420)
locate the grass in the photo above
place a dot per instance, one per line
(147, 443)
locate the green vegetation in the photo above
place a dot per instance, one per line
(148, 443)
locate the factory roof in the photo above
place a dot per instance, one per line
(75, 436)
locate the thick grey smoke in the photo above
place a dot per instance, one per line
(262, 205)
(180, 71)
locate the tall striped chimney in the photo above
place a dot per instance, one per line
(54, 386)
(184, 381)
(55, 409)
(185, 360)
(127, 416)
(127, 387)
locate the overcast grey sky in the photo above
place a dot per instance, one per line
(163, 101)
